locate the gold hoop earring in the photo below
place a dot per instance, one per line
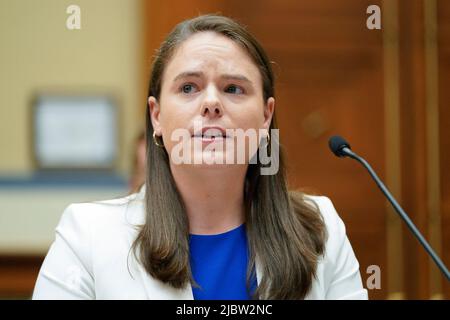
(155, 140)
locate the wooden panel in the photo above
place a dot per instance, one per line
(444, 127)
(18, 275)
(424, 164)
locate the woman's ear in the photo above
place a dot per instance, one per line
(269, 109)
(154, 109)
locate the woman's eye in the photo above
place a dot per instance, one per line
(188, 88)
(234, 89)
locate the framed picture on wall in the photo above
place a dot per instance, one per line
(73, 131)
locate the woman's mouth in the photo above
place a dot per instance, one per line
(211, 134)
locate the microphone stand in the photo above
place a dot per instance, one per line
(400, 211)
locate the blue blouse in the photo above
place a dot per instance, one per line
(219, 265)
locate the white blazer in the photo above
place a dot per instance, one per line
(91, 258)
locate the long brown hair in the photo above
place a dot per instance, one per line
(286, 233)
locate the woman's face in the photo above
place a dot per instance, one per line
(212, 81)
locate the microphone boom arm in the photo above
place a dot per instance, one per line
(400, 211)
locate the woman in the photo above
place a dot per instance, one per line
(208, 229)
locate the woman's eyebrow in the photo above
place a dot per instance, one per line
(199, 74)
(238, 77)
(187, 74)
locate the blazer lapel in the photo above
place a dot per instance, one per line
(154, 289)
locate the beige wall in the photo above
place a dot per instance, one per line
(38, 53)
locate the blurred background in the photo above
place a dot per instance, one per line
(72, 108)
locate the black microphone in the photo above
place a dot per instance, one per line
(341, 148)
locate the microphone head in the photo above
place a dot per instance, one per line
(336, 144)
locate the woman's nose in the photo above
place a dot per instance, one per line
(212, 107)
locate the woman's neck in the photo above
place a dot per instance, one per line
(214, 198)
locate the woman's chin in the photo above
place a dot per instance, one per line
(210, 160)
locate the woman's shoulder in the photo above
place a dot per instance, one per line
(328, 212)
(335, 227)
(139, 195)
(340, 268)
(104, 213)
